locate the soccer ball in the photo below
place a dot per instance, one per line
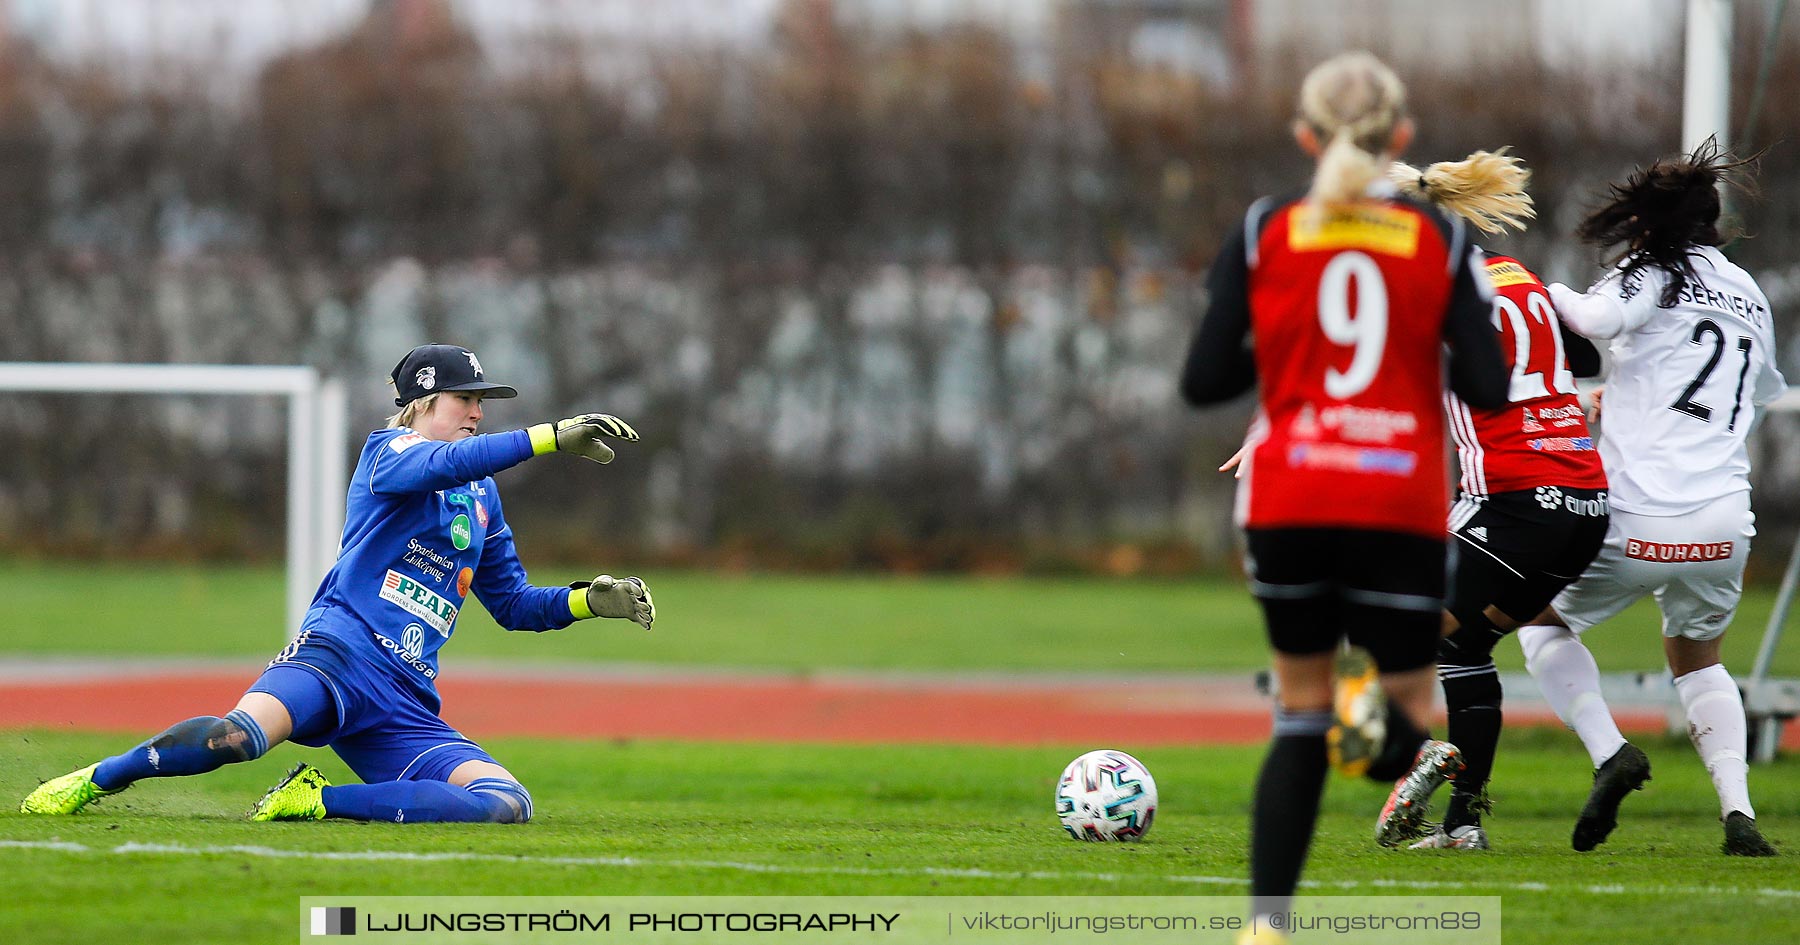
(1106, 795)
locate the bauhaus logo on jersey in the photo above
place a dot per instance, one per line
(1677, 551)
(418, 600)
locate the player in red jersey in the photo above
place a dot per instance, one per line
(1533, 509)
(1340, 301)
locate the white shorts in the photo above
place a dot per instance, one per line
(1693, 563)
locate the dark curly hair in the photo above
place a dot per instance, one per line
(1662, 211)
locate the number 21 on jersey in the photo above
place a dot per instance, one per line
(1708, 331)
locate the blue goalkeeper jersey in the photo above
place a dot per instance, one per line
(423, 528)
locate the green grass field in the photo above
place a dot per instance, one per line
(630, 818)
(815, 820)
(776, 622)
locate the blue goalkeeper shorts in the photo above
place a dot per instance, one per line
(378, 728)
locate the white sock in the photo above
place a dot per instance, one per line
(1570, 680)
(1715, 712)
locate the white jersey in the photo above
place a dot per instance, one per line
(1684, 385)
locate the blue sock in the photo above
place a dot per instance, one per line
(195, 746)
(490, 800)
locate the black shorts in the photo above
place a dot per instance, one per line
(1517, 550)
(1384, 591)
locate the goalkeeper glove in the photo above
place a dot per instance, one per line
(581, 436)
(608, 596)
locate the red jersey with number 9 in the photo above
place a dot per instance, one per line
(1347, 307)
(1541, 437)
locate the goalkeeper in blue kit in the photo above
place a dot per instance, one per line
(423, 529)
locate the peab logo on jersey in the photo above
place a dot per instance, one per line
(418, 600)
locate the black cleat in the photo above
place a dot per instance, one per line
(1742, 838)
(1624, 772)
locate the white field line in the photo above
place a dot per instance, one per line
(171, 849)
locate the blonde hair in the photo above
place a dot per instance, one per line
(1353, 102)
(1486, 188)
(412, 410)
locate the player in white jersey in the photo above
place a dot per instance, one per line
(1693, 357)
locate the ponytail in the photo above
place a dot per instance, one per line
(1486, 188)
(1344, 171)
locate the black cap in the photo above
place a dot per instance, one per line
(428, 369)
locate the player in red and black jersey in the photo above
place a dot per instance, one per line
(1533, 508)
(1340, 302)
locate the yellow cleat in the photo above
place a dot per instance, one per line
(299, 796)
(1359, 709)
(65, 795)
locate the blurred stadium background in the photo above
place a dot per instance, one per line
(897, 286)
(896, 292)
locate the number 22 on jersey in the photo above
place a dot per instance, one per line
(1530, 329)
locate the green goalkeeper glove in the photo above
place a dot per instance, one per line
(581, 436)
(608, 596)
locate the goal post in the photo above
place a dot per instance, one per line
(317, 415)
(1769, 703)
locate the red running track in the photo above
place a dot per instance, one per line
(730, 708)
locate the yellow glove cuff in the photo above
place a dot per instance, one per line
(543, 440)
(578, 605)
